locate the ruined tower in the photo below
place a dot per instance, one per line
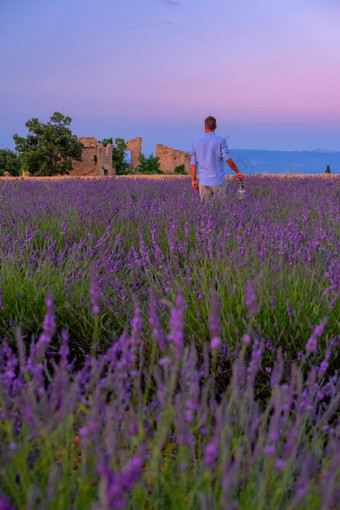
(169, 158)
(95, 159)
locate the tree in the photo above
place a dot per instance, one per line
(148, 165)
(48, 148)
(180, 170)
(105, 141)
(328, 170)
(118, 154)
(9, 162)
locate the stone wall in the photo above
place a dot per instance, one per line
(95, 159)
(135, 146)
(169, 158)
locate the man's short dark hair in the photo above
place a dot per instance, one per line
(210, 123)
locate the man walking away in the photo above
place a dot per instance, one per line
(209, 151)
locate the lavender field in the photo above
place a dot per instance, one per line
(157, 353)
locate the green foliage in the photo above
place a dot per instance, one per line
(118, 154)
(328, 170)
(180, 170)
(9, 162)
(48, 148)
(105, 141)
(148, 165)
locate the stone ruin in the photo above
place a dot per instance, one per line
(169, 158)
(95, 159)
(135, 147)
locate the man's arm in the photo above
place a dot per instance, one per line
(231, 164)
(194, 182)
(226, 155)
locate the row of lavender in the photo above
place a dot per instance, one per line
(273, 258)
(121, 433)
(216, 335)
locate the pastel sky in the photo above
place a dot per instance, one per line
(268, 71)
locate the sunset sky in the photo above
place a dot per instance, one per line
(268, 71)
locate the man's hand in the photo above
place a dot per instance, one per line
(194, 184)
(231, 164)
(194, 181)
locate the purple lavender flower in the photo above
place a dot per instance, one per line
(164, 361)
(64, 350)
(311, 344)
(214, 319)
(269, 450)
(94, 296)
(156, 328)
(254, 364)
(225, 351)
(324, 364)
(210, 454)
(279, 464)
(131, 474)
(250, 299)
(118, 484)
(49, 327)
(4, 503)
(176, 335)
(137, 325)
(215, 343)
(246, 339)
(273, 302)
(289, 310)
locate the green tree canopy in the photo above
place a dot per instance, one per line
(118, 154)
(105, 141)
(9, 162)
(48, 148)
(148, 165)
(180, 170)
(328, 170)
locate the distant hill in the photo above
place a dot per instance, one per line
(286, 162)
